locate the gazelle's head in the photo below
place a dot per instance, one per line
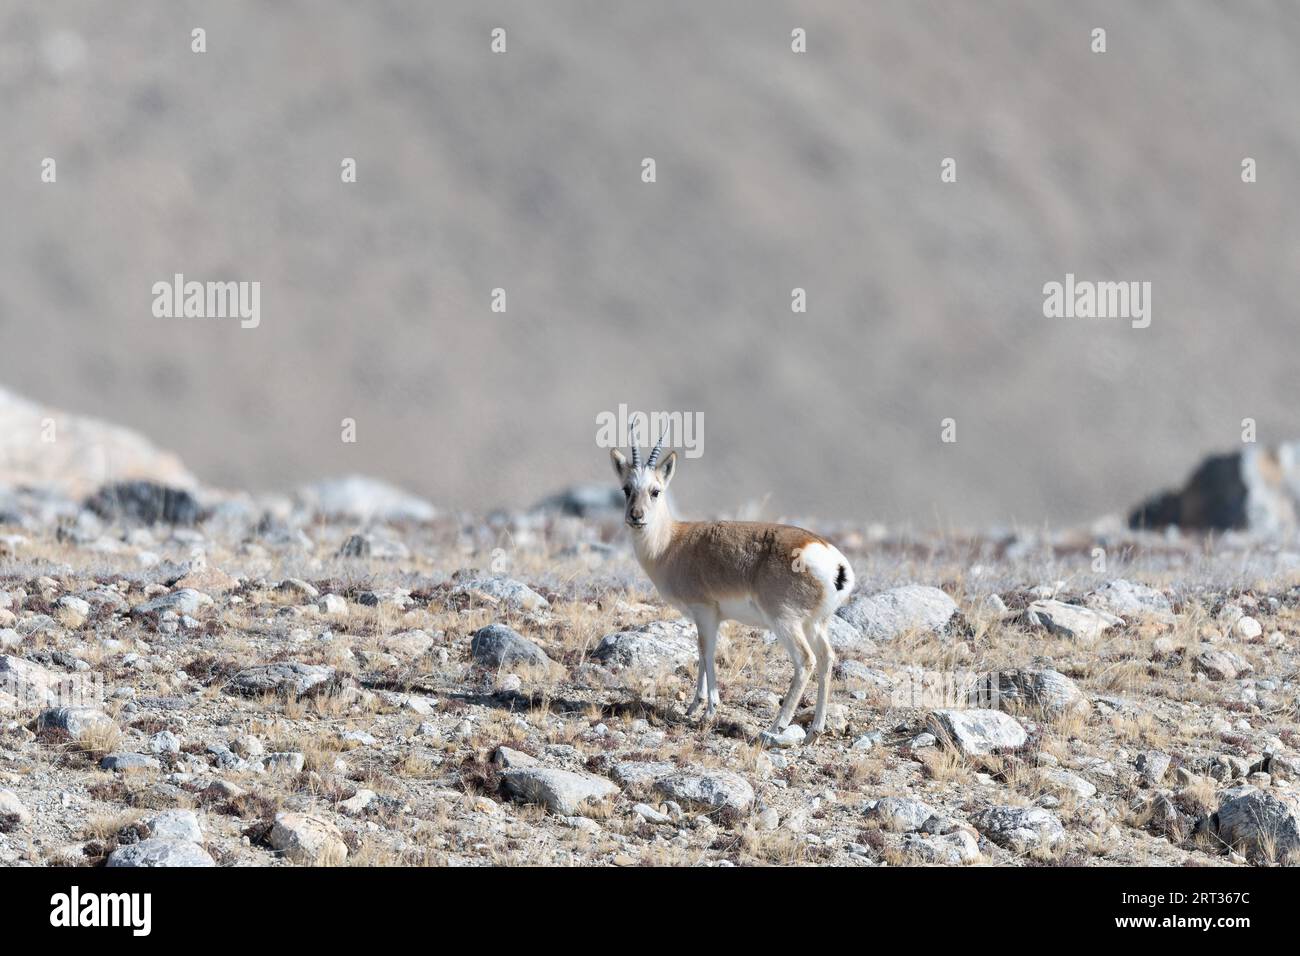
(644, 485)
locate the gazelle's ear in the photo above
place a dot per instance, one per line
(620, 463)
(667, 468)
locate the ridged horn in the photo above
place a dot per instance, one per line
(654, 455)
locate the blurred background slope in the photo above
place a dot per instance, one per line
(775, 170)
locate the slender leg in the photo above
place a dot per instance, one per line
(710, 663)
(706, 683)
(791, 636)
(819, 637)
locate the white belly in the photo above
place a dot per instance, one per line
(743, 610)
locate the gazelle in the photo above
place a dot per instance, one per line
(778, 577)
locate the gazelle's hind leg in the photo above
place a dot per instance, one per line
(820, 639)
(791, 635)
(706, 681)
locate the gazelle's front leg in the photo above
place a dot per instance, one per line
(706, 683)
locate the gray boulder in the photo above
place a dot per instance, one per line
(123, 762)
(657, 646)
(1221, 664)
(74, 721)
(1070, 620)
(182, 601)
(1127, 599)
(281, 677)
(1263, 825)
(174, 825)
(29, 682)
(1038, 689)
(563, 792)
(913, 607)
(506, 591)
(976, 732)
(307, 839)
(160, 852)
(499, 646)
(949, 849)
(707, 789)
(1019, 829)
(899, 814)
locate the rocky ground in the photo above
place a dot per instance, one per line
(347, 676)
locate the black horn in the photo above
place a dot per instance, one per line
(654, 455)
(632, 441)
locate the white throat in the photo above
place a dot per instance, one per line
(652, 541)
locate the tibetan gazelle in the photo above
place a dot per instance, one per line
(778, 577)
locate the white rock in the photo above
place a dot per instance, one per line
(563, 792)
(1070, 620)
(1019, 829)
(308, 839)
(975, 732)
(900, 610)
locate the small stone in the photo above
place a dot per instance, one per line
(333, 605)
(308, 839)
(123, 762)
(899, 814)
(165, 742)
(174, 825)
(72, 612)
(356, 804)
(182, 601)
(650, 814)
(792, 736)
(1152, 766)
(12, 812)
(1247, 628)
(768, 819)
(298, 589)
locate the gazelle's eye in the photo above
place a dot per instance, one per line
(655, 493)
